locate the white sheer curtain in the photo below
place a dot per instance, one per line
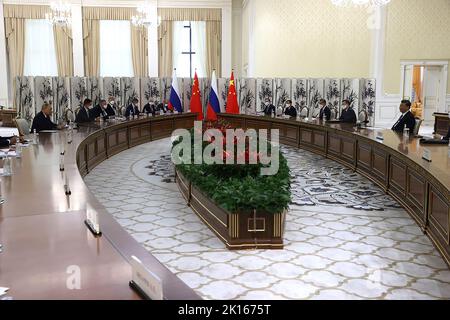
(40, 53)
(181, 44)
(115, 49)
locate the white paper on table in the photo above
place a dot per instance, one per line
(11, 154)
(3, 290)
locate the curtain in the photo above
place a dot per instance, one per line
(214, 47)
(91, 44)
(181, 44)
(115, 49)
(213, 18)
(139, 51)
(165, 48)
(40, 54)
(190, 14)
(91, 36)
(64, 50)
(15, 45)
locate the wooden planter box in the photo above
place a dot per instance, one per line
(238, 230)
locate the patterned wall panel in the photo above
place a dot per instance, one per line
(166, 84)
(205, 88)
(61, 96)
(247, 95)
(186, 92)
(283, 91)
(367, 99)
(316, 88)
(223, 85)
(111, 88)
(339, 48)
(350, 91)
(78, 92)
(333, 96)
(95, 89)
(24, 97)
(150, 90)
(300, 96)
(265, 90)
(415, 30)
(43, 88)
(129, 88)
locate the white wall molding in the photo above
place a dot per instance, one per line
(251, 38)
(4, 88)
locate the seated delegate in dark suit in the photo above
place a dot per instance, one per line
(149, 108)
(100, 110)
(132, 109)
(325, 112)
(290, 110)
(447, 137)
(42, 120)
(269, 108)
(85, 114)
(406, 119)
(6, 142)
(348, 115)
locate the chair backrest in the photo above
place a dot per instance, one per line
(417, 126)
(23, 126)
(123, 111)
(70, 115)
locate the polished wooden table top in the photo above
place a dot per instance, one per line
(43, 233)
(411, 148)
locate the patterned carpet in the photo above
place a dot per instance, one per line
(345, 238)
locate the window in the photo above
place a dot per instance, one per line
(40, 54)
(115, 49)
(189, 48)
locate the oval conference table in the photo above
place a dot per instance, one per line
(46, 244)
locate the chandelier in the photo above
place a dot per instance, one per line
(143, 16)
(60, 14)
(360, 3)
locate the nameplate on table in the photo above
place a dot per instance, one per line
(145, 282)
(426, 155)
(92, 221)
(380, 136)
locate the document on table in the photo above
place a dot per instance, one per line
(48, 131)
(3, 290)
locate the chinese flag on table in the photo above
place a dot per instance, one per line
(232, 102)
(196, 100)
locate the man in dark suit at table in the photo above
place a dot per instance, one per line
(325, 112)
(447, 137)
(406, 119)
(85, 113)
(6, 142)
(132, 109)
(42, 120)
(110, 107)
(100, 110)
(149, 108)
(348, 115)
(290, 109)
(269, 108)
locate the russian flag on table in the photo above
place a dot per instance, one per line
(213, 104)
(175, 101)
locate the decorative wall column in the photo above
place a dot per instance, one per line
(153, 41)
(226, 39)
